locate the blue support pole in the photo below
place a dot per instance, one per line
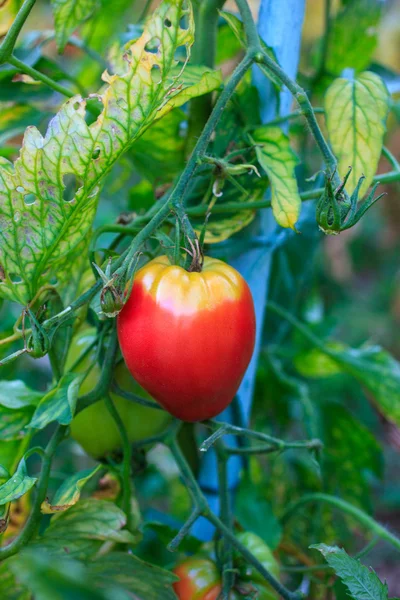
(279, 24)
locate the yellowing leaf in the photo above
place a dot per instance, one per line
(279, 161)
(48, 197)
(356, 111)
(69, 492)
(8, 11)
(219, 230)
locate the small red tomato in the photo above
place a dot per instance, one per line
(199, 579)
(187, 338)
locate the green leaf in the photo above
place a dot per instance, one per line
(16, 394)
(18, 485)
(279, 161)
(362, 583)
(356, 111)
(196, 80)
(74, 531)
(159, 154)
(353, 36)
(379, 373)
(69, 492)
(13, 422)
(48, 198)
(61, 579)
(237, 27)
(314, 363)
(68, 15)
(59, 404)
(10, 452)
(10, 588)
(228, 45)
(144, 580)
(351, 454)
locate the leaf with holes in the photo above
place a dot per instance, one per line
(362, 583)
(68, 15)
(69, 492)
(279, 161)
(356, 112)
(48, 198)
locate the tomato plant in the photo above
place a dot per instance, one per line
(199, 578)
(195, 370)
(94, 428)
(195, 256)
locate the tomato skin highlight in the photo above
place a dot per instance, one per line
(94, 428)
(199, 580)
(187, 338)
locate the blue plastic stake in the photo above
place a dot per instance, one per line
(280, 23)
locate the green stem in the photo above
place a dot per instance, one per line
(290, 117)
(32, 524)
(200, 507)
(134, 397)
(37, 75)
(179, 191)
(252, 37)
(304, 330)
(203, 53)
(281, 589)
(226, 518)
(358, 514)
(126, 464)
(222, 429)
(391, 158)
(9, 41)
(305, 106)
(107, 372)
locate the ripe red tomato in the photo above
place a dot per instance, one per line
(94, 428)
(199, 579)
(187, 338)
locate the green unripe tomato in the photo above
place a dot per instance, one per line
(94, 428)
(264, 555)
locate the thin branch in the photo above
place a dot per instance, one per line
(127, 488)
(32, 523)
(10, 40)
(392, 159)
(358, 514)
(37, 75)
